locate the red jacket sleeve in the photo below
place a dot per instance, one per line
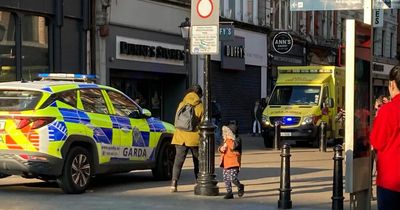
(380, 131)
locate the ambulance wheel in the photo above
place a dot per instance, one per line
(4, 175)
(164, 162)
(315, 141)
(77, 172)
(267, 141)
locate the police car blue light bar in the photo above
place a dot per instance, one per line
(64, 76)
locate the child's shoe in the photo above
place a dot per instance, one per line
(240, 190)
(228, 195)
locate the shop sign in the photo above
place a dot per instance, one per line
(282, 42)
(149, 51)
(233, 54)
(226, 32)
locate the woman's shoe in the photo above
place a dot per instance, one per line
(174, 186)
(229, 195)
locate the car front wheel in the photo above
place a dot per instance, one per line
(164, 162)
(77, 171)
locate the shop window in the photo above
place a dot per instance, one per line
(7, 47)
(35, 48)
(93, 101)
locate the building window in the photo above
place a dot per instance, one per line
(34, 51)
(391, 45)
(7, 47)
(249, 15)
(383, 43)
(35, 57)
(231, 9)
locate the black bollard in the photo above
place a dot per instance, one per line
(322, 143)
(277, 137)
(285, 201)
(337, 194)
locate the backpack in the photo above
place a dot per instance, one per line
(186, 119)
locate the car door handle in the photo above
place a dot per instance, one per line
(125, 129)
(90, 126)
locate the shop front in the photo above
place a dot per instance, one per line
(31, 39)
(149, 67)
(239, 76)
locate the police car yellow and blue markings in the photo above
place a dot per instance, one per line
(73, 118)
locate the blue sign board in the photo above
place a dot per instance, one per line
(226, 32)
(386, 4)
(315, 5)
(312, 5)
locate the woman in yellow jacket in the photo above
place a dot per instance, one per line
(187, 140)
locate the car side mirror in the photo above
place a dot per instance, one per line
(146, 113)
(330, 103)
(135, 114)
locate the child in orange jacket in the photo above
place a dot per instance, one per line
(230, 160)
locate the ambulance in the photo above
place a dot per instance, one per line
(303, 97)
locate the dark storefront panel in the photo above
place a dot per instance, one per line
(160, 93)
(236, 92)
(36, 37)
(70, 47)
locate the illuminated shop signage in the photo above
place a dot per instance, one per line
(233, 55)
(234, 51)
(149, 51)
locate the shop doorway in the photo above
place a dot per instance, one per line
(146, 92)
(160, 93)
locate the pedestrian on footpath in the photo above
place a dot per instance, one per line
(385, 139)
(231, 160)
(187, 140)
(257, 114)
(216, 119)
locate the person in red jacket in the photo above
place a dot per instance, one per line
(231, 160)
(385, 139)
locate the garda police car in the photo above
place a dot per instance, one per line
(67, 129)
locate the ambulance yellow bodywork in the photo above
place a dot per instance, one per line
(303, 97)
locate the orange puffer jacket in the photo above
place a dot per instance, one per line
(229, 157)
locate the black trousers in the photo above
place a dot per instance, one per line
(388, 199)
(181, 152)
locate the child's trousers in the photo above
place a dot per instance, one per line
(231, 176)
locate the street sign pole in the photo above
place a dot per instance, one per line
(205, 41)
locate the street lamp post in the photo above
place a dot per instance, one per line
(206, 181)
(185, 32)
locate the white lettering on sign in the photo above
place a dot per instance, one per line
(126, 152)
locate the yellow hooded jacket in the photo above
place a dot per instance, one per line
(189, 138)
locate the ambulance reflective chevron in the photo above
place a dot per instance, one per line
(71, 130)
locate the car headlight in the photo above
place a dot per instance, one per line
(307, 120)
(264, 120)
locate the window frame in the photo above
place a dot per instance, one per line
(113, 108)
(81, 107)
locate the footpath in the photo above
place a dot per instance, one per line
(311, 180)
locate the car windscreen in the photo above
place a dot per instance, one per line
(19, 100)
(295, 95)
